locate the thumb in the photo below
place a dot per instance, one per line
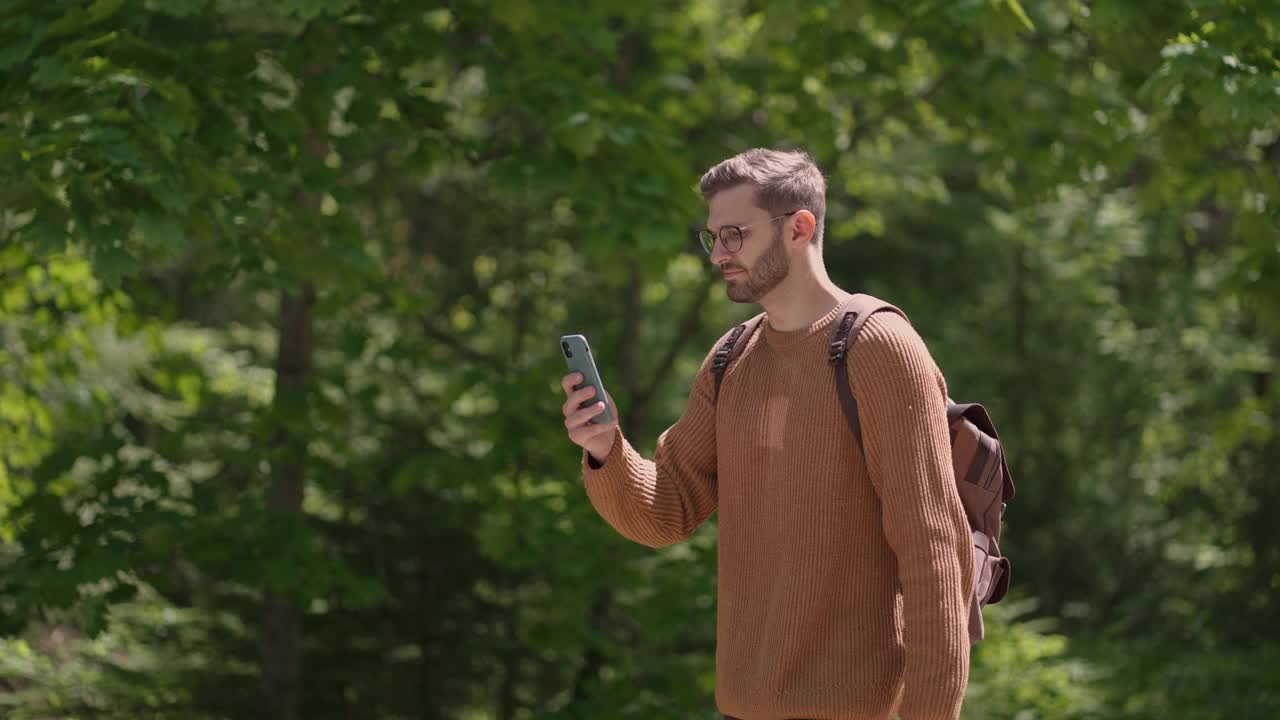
(612, 405)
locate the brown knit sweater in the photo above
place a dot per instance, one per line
(843, 581)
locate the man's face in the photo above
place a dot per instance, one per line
(762, 262)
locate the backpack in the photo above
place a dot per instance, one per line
(977, 456)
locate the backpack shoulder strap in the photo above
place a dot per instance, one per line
(733, 346)
(857, 311)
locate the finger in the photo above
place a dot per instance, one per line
(585, 393)
(576, 419)
(583, 435)
(577, 397)
(568, 381)
(608, 401)
(581, 417)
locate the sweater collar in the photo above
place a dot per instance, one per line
(782, 339)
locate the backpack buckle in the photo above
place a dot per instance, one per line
(722, 355)
(721, 359)
(840, 343)
(835, 354)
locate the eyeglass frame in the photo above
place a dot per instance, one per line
(739, 228)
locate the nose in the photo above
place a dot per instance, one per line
(719, 256)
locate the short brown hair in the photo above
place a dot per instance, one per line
(785, 180)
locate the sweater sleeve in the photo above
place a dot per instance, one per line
(663, 501)
(902, 408)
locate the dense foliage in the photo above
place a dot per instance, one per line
(282, 283)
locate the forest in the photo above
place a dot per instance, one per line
(282, 284)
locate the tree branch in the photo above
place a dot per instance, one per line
(632, 306)
(457, 346)
(690, 325)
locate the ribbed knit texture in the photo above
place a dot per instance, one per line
(843, 584)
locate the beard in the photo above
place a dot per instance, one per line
(770, 270)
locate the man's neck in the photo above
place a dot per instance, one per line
(797, 308)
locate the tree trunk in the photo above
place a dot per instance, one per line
(280, 639)
(629, 357)
(1019, 316)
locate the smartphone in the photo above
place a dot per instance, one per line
(577, 353)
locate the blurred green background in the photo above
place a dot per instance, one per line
(281, 285)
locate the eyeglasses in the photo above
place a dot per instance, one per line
(731, 235)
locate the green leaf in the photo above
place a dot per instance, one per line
(51, 71)
(516, 14)
(1016, 7)
(169, 118)
(308, 9)
(12, 53)
(581, 135)
(79, 18)
(112, 263)
(123, 592)
(121, 154)
(46, 237)
(92, 614)
(160, 231)
(181, 8)
(167, 191)
(54, 465)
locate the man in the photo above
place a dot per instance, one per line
(844, 578)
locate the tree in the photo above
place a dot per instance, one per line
(308, 395)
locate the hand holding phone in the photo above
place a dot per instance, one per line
(588, 410)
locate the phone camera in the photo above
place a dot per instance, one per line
(567, 351)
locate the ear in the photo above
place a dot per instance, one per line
(806, 226)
